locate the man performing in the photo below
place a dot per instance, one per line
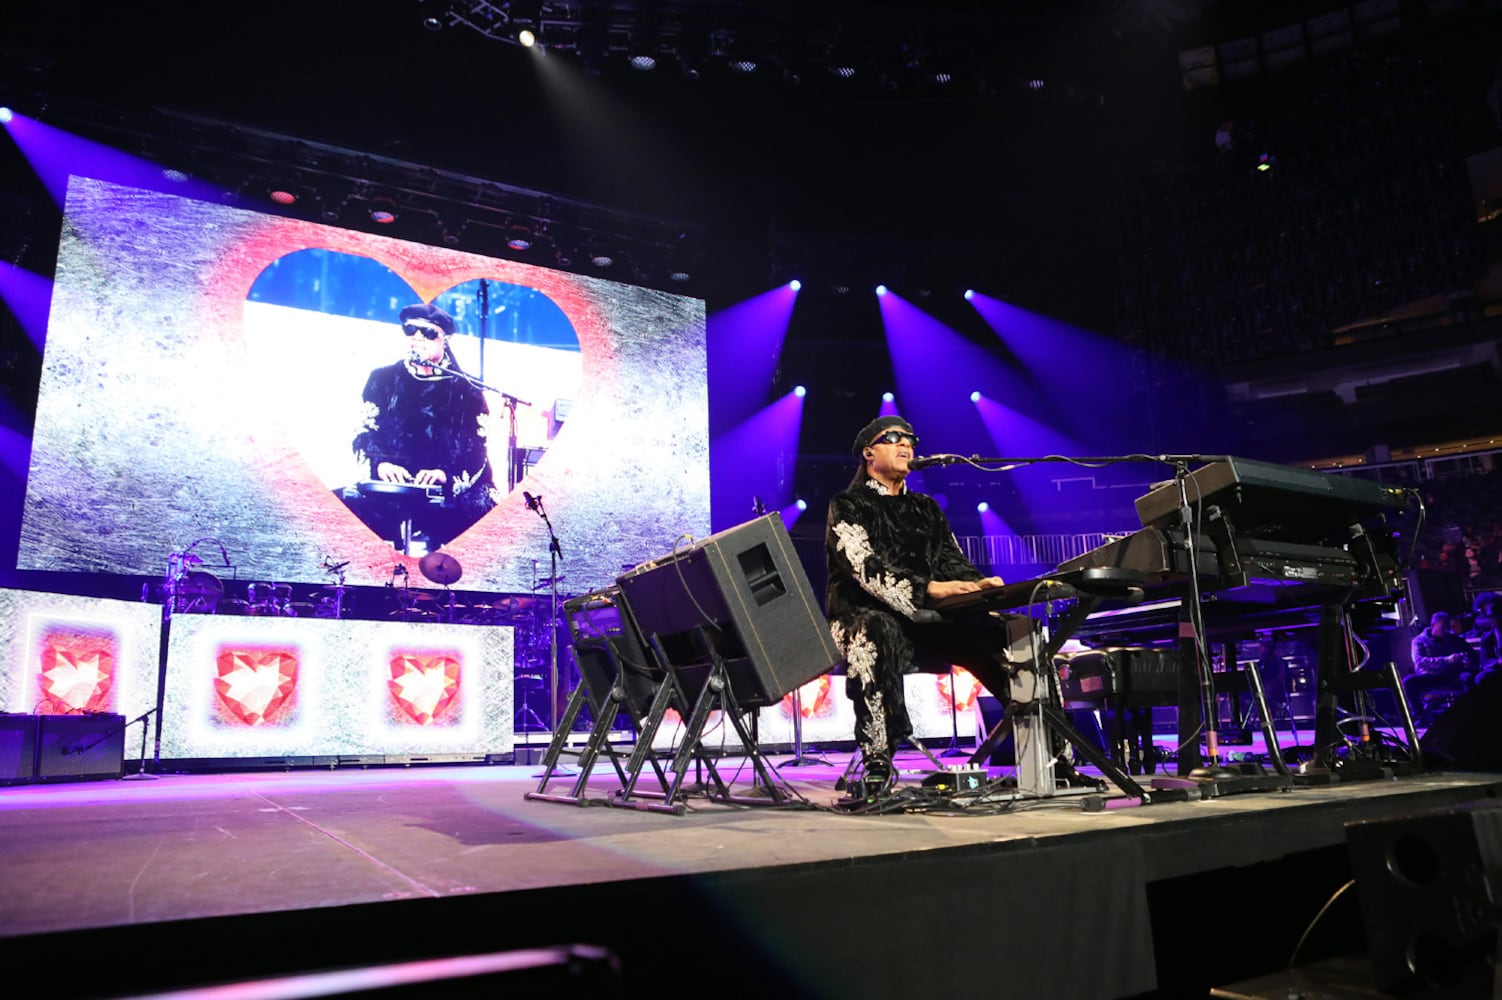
(423, 437)
(890, 554)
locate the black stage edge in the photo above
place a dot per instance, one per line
(1167, 901)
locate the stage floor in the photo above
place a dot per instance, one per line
(161, 855)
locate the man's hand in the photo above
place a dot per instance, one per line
(390, 472)
(430, 477)
(940, 589)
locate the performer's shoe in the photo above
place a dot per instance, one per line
(876, 777)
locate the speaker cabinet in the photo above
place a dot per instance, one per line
(1430, 886)
(741, 593)
(1464, 737)
(607, 647)
(18, 749)
(80, 747)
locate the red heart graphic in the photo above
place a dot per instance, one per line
(275, 450)
(256, 685)
(425, 686)
(77, 671)
(454, 407)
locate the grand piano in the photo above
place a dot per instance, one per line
(1239, 545)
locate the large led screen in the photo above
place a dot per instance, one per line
(222, 375)
(66, 655)
(239, 687)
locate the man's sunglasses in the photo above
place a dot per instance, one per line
(897, 437)
(430, 332)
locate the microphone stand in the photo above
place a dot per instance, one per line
(555, 553)
(140, 775)
(509, 401)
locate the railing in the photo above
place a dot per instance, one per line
(1030, 550)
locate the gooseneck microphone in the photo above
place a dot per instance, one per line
(924, 461)
(532, 501)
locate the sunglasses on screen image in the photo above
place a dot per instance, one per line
(430, 332)
(897, 437)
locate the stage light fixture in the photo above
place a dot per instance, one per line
(519, 237)
(432, 24)
(282, 195)
(881, 289)
(842, 71)
(975, 397)
(526, 38)
(382, 211)
(6, 114)
(887, 397)
(982, 507)
(801, 504)
(795, 284)
(744, 65)
(642, 61)
(680, 276)
(799, 391)
(969, 294)
(174, 175)
(601, 260)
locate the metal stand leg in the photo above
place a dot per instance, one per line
(798, 759)
(954, 720)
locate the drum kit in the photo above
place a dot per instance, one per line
(189, 588)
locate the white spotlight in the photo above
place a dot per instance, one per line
(975, 397)
(881, 289)
(526, 38)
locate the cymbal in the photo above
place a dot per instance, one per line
(441, 568)
(196, 583)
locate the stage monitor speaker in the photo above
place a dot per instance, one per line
(1464, 737)
(18, 749)
(745, 592)
(80, 747)
(607, 645)
(1430, 886)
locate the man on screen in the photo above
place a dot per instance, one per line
(423, 436)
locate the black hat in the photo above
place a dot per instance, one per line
(427, 314)
(868, 432)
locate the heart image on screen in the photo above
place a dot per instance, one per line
(420, 415)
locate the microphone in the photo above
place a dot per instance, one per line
(532, 502)
(924, 461)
